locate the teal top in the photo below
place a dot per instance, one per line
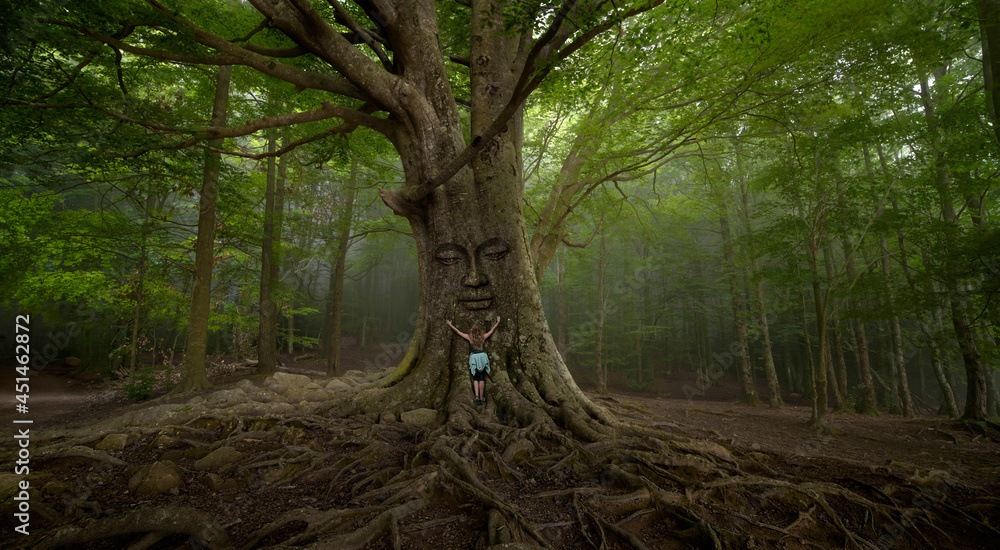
(478, 360)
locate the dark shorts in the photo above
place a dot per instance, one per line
(479, 376)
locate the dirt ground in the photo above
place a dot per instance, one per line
(878, 446)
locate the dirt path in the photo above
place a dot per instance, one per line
(53, 394)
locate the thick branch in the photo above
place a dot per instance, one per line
(299, 20)
(231, 54)
(537, 64)
(345, 18)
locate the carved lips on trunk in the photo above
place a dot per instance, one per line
(475, 267)
(475, 303)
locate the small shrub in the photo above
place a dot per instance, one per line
(142, 383)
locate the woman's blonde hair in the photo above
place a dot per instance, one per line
(476, 337)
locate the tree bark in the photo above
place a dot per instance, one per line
(773, 388)
(975, 402)
(139, 293)
(291, 329)
(819, 382)
(898, 361)
(270, 264)
(838, 375)
(948, 403)
(193, 376)
(599, 365)
(471, 240)
(748, 394)
(344, 219)
(561, 341)
(989, 32)
(867, 404)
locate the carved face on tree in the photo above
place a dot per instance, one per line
(471, 269)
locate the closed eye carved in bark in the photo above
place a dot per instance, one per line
(450, 254)
(494, 249)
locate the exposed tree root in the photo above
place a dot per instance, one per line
(610, 484)
(149, 523)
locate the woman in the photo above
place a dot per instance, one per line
(479, 362)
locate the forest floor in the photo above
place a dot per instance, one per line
(865, 448)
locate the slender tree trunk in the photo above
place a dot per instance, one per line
(139, 293)
(773, 388)
(193, 377)
(819, 385)
(898, 361)
(601, 368)
(831, 377)
(291, 329)
(867, 402)
(989, 32)
(345, 216)
(809, 359)
(937, 363)
(748, 395)
(703, 337)
(270, 256)
(839, 374)
(561, 339)
(975, 402)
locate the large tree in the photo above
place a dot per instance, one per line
(463, 191)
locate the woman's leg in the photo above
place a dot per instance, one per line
(480, 388)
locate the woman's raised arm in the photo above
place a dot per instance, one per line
(487, 335)
(462, 334)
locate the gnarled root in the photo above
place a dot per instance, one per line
(153, 523)
(527, 470)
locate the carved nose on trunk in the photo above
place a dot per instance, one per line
(475, 278)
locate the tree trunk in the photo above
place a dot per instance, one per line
(867, 404)
(898, 361)
(937, 362)
(773, 388)
(838, 375)
(139, 294)
(748, 394)
(831, 377)
(808, 352)
(344, 219)
(472, 250)
(291, 329)
(193, 377)
(270, 263)
(819, 378)
(989, 32)
(561, 339)
(599, 365)
(975, 402)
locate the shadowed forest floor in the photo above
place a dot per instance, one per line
(869, 451)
